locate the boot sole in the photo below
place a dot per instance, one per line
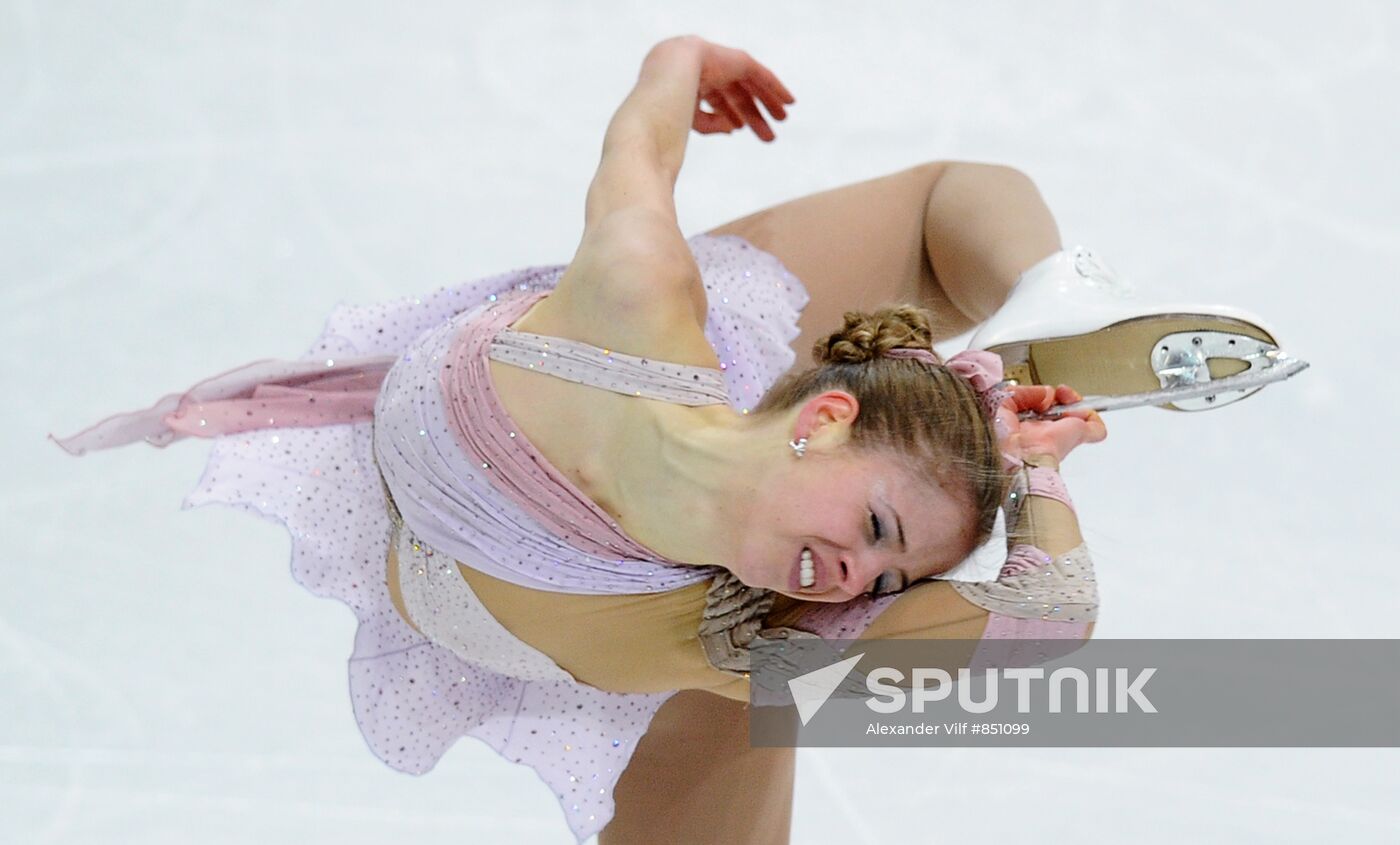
(1117, 360)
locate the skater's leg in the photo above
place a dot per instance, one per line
(694, 779)
(951, 236)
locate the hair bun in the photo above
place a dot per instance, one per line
(867, 336)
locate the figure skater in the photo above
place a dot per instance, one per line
(564, 501)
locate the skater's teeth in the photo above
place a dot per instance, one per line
(808, 569)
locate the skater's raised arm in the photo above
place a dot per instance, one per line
(645, 142)
(633, 268)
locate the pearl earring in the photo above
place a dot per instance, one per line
(799, 446)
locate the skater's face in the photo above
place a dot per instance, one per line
(868, 520)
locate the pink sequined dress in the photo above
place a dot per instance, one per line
(393, 395)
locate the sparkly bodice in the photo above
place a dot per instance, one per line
(470, 485)
(483, 429)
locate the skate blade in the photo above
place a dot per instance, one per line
(1118, 360)
(1215, 392)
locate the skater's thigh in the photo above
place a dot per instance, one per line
(855, 248)
(694, 779)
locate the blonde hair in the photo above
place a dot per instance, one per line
(908, 409)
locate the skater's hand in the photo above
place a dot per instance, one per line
(1035, 440)
(732, 83)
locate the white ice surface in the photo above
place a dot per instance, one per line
(185, 187)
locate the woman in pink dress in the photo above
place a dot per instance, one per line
(562, 501)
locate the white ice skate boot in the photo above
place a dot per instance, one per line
(1071, 320)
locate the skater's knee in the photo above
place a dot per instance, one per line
(984, 225)
(978, 171)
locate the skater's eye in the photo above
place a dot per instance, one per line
(890, 581)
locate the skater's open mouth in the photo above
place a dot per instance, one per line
(809, 575)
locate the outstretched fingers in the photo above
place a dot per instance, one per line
(725, 102)
(770, 98)
(733, 83)
(767, 81)
(709, 123)
(741, 100)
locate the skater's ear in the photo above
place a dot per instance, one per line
(825, 420)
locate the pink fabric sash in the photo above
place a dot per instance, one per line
(483, 428)
(270, 393)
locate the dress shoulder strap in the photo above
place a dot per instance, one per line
(583, 363)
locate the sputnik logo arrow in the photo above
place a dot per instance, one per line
(810, 691)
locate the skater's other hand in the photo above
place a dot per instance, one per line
(1035, 440)
(732, 83)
